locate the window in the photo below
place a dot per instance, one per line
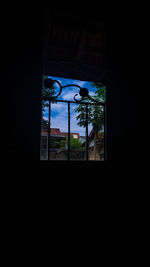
(73, 120)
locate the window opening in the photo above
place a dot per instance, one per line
(73, 123)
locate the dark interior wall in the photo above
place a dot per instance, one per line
(123, 96)
(24, 65)
(21, 61)
(29, 80)
(122, 87)
(33, 186)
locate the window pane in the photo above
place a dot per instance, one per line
(44, 131)
(96, 134)
(59, 131)
(54, 139)
(78, 134)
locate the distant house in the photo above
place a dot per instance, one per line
(74, 135)
(58, 148)
(77, 136)
(96, 153)
(55, 138)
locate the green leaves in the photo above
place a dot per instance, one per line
(100, 92)
(95, 112)
(46, 92)
(75, 143)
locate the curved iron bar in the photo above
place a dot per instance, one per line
(55, 81)
(83, 92)
(78, 101)
(75, 85)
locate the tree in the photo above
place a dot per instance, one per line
(46, 92)
(95, 112)
(75, 144)
(44, 124)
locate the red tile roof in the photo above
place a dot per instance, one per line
(56, 131)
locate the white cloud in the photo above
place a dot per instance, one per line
(59, 107)
(80, 83)
(45, 118)
(91, 93)
(68, 95)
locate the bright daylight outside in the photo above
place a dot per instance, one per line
(72, 129)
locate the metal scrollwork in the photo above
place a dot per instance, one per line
(49, 83)
(83, 92)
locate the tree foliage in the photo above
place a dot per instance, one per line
(74, 143)
(95, 112)
(46, 92)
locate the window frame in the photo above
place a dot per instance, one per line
(83, 162)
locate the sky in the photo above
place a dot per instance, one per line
(59, 110)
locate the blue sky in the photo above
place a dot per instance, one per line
(59, 111)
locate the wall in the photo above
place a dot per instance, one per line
(82, 202)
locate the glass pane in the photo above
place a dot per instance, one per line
(58, 141)
(77, 133)
(44, 131)
(96, 133)
(59, 131)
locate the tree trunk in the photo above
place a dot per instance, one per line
(95, 134)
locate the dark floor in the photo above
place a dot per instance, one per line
(58, 208)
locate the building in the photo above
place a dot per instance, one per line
(58, 143)
(74, 135)
(56, 137)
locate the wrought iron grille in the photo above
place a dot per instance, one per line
(83, 94)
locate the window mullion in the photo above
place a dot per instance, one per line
(49, 129)
(68, 130)
(87, 141)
